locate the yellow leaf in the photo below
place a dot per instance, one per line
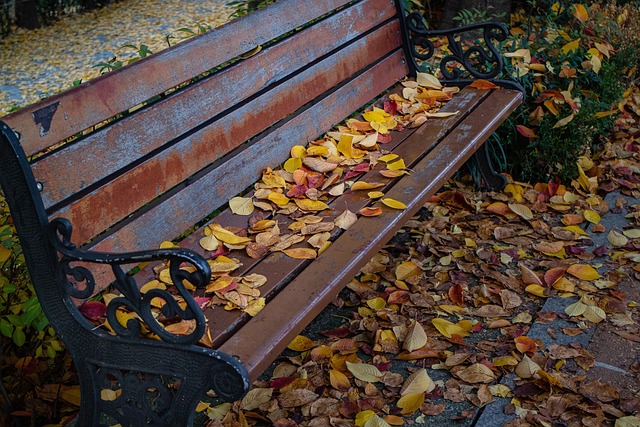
(364, 416)
(396, 165)
(536, 290)
(571, 46)
(376, 115)
(298, 152)
(301, 253)
(222, 264)
(339, 381)
(407, 269)
(521, 210)
(417, 383)
(392, 174)
(580, 12)
(71, 394)
(209, 243)
(564, 122)
(388, 157)
(254, 306)
(293, 164)
(392, 203)
(311, 205)
(278, 198)
(447, 328)
(583, 272)
(301, 343)
(364, 372)
(376, 303)
(154, 284)
(375, 194)
(241, 205)
(409, 403)
(416, 338)
(227, 236)
(363, 185)
(504, 361)
(591, 216)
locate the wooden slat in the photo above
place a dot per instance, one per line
(46, 123)
(132, 138)
(277, 266)
(139, 186)
(187, 207)
(268, 333)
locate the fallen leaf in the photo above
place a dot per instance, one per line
(392, 203)
(364, 372)
(417, 383)
(416, 338)
(583, 272)
(370, 211)
(301, 253)
(301, 343)
(409, 403)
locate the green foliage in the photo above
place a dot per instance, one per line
(245, 7)
(572, 67)
(114, 63)
(475, 16)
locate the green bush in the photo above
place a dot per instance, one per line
(571, 61)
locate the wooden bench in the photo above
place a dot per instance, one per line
(140, 155)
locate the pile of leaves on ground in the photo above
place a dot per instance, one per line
(442, 314)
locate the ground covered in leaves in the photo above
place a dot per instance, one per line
(40, 63)
(440, 321)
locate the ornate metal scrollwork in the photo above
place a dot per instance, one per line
(196, 272)
(482, 62)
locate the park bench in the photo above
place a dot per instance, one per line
(100, 175)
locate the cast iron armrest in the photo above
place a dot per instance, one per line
(184, 265)
(472, 61)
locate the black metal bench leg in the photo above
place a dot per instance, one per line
(492, 180)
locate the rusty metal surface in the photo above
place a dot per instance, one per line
(44, 124)
(269, 332)
(130, 139)
(136, 187)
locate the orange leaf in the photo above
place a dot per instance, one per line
(339, 381)
(370, 211)
(529, 277)
(525, 345)
(583, 272)
(483, 84)
(363, 185)
(301, 253)
(500, 209)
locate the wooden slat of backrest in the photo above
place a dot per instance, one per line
(119, 198)
(269, 332)
(186, 207)
(46, 123)
(135, 136)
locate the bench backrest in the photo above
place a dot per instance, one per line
(163, 142)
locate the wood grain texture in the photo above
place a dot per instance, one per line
(126, 193)
(132, 138)
(184, 208)
(46, 123)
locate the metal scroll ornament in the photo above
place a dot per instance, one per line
(479, 61)
(78, 282)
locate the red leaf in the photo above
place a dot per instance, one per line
(336, 333)
(384, 139)
(279, 383)
(93, 310)
(526, 132)
(390, 107)
(456, 294)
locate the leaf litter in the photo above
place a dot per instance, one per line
(442, 313)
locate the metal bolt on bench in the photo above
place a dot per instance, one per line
(155, 147)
